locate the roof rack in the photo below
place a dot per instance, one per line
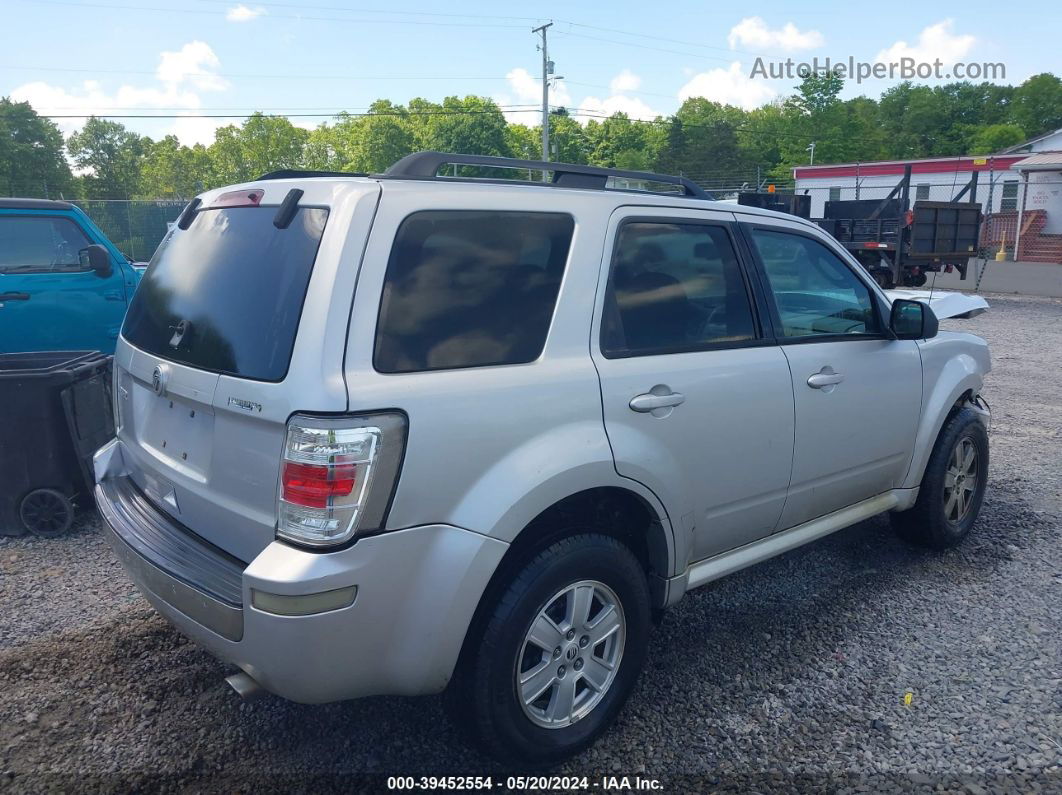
(426, 165)
(295, 173)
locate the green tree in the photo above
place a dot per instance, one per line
(700, 141)
(567, 139)
(618, 142)
(32, 161)
(373, 142)
(260, 145)
(1037, 104)
(472, 125)
(172, 171)
(110, 155)
(995, 137)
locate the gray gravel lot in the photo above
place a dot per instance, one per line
(788, 676)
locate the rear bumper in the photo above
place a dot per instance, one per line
(416, 593)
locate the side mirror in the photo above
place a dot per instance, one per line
(96, 258)
(913, 320)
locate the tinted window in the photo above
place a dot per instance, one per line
(467, 289)
(814, 291)
(37, 243)
(236, 283)
(674, 287)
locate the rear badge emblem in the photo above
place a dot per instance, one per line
(246, 405)
(158, 380)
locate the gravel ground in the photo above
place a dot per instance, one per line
(787, 676)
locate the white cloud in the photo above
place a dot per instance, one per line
(936, 41)
(180, 74)
(193, 62)
(242, 13)
(525, 90)
(593, 107)
(730, 86)
(625, 81)
(753, 32)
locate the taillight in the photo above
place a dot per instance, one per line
(337, 476)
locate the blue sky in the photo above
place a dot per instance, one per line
(321, 56)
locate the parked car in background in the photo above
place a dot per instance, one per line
(407, 433)
(63, 284)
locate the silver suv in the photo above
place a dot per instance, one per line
(407, 433)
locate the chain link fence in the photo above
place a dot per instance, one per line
(136, 227)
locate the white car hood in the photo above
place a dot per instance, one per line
(944, 304)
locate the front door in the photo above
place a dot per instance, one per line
(49, 298)
(698, 404)
(858, 392)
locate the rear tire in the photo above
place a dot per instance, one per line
(565, 597)
(953, 486)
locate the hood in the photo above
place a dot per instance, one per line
(944, 304)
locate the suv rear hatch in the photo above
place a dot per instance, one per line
(225, 338)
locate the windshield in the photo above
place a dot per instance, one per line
(226, 294)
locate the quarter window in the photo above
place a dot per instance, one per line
(674, 287)
(36, 244)
(470, 288)
(814, 291)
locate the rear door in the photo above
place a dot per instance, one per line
(226, 337)
(697, 401)
(858, 392)
(49, 298)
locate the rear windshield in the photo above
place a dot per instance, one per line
(226, 294)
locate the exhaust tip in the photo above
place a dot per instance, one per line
(245, 686)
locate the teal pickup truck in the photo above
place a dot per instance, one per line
(63, 284)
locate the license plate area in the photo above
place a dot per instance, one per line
(176, 431)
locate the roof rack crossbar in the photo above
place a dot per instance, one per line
(426, 165)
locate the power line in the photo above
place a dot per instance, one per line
(234, 75)
(495, 110)
(280, 16)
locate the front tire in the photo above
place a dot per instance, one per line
(559, 654)
(953, 486)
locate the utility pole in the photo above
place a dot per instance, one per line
(547, 70)
(811, 148)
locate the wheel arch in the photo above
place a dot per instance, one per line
(958, 382)
(622, 510)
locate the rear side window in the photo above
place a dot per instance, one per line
(226, 294)
(40, 244)
(470, 288)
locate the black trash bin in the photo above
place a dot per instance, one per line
(56, 412)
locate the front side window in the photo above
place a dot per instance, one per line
(39, 244)
(674, 287)
(470, 289)
(814, 291)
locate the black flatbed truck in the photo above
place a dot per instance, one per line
(897, 242)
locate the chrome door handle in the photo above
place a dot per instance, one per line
(825, 377)
(648, 402)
